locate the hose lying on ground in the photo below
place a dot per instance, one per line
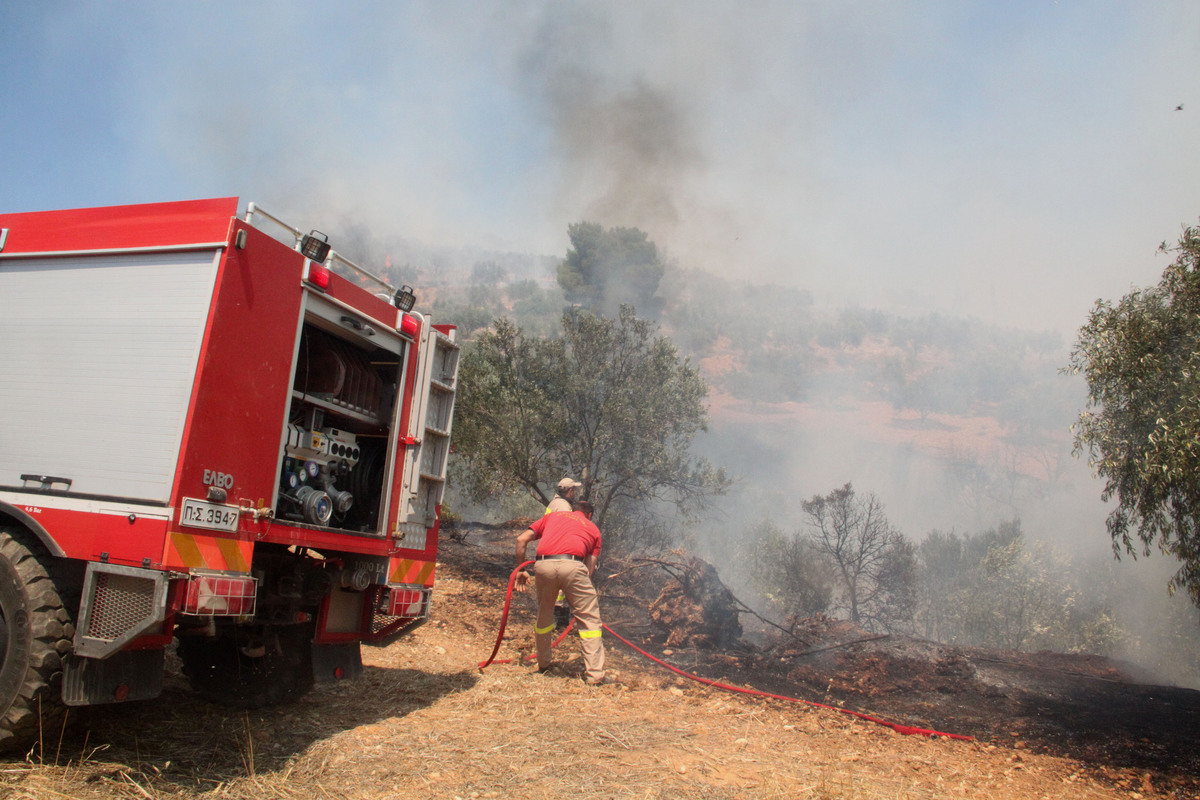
(907, 730)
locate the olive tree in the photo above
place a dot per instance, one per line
(608, 401)
(1141, 427)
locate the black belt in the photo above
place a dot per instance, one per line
(560, 555)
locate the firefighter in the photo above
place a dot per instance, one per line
(568, 547)
(564, 497)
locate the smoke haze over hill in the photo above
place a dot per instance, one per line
(1005, 161)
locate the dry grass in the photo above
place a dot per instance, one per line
(423, 722)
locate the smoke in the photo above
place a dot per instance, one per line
(626, 150)
(1007, 162)
(626, 146)
(917, 158)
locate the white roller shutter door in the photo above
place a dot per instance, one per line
(97, 358)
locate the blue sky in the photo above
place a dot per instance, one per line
(1010, 160)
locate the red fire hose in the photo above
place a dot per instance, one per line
(907, 730)
(512, 579)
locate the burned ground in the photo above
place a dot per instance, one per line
(1082, 706)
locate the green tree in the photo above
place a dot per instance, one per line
(488, 273)
(610, 401)
(997, 589)
(1141, 426)
(911, 386)
(941, 560)
(606, 269)
(507, 420)
(792, 574)
(1017, 597)
(949, 565)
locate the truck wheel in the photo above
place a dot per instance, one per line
(35, 635)
(244, 669)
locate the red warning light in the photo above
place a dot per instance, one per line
(318, 276)
(409, 325)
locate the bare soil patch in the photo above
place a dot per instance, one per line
(425, 722)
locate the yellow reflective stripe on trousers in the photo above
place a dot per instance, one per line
(543, 631)
(590, 634)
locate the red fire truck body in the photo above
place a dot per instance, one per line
(223, 432)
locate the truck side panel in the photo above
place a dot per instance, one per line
(105, 346)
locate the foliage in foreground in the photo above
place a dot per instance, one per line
(1141, 429)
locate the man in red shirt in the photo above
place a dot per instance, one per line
(566, 558)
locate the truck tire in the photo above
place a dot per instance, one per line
(35, 636)
(244, 670)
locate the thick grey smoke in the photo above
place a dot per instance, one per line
(626, 147)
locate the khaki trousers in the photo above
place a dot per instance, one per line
(571, 578)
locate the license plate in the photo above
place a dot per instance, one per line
(199, 514)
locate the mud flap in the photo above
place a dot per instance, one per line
(124, 676)
(335, 662)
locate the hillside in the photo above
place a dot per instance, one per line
(423, 721)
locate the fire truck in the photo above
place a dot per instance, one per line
(220, 432)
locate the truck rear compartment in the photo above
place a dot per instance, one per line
(334, 465)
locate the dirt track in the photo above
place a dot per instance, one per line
(423, 721)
